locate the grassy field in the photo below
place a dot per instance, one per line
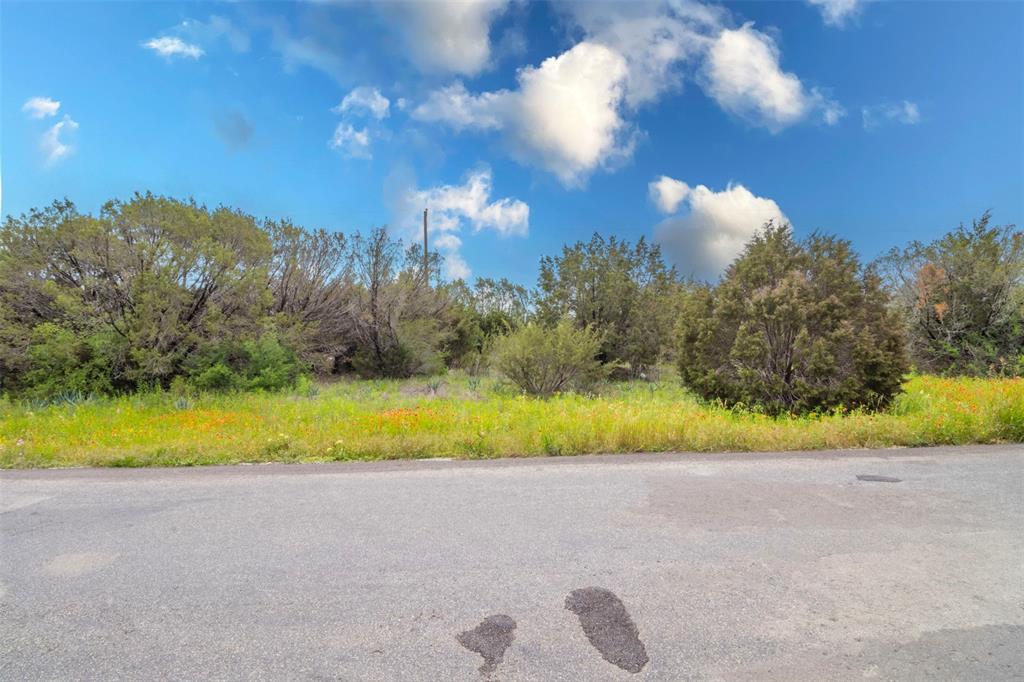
(468, 418)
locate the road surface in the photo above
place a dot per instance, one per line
(632, 567)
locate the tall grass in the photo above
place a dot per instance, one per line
(477, 419)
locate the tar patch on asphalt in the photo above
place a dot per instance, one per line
(875, 478)
(490, 639)
(607, 625)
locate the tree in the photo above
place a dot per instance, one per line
(962, 298)
(793, 327)
(479, 316)
(140, 287)
(400, 319)
(311, 280)
(623, 291)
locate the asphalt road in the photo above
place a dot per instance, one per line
(669, 567)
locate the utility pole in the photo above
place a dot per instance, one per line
(426, 254)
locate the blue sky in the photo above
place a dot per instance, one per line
(527, 125)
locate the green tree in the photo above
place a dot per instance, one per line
(623, 291)
(793, 327)
(400, 321)
(962, 298)
(138, 289)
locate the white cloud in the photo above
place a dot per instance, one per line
(568, 111)
(40, 107)
(447, 36)
(364, 98)
(172, 46)
(570, 115)
(837, 12)
(351, 142)
(564, 116)
(742, 73)
(654, 39)
(667, 193)
(53, 147)
(703, 241)
(453, 207)
(458, 108)
(905, 112)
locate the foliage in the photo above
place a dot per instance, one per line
(491, 309)
(126, 296)
(623, 291)
(311, 282)
(543, 361)
(793, 327)
(475, 417)
(399, 323)
(962, 297)
(153, 289)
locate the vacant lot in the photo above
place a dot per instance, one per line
(470, 418)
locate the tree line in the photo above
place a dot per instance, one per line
(153, 292)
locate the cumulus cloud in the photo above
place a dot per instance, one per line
(564, 116)
(364, 99)
(742, 73)
(454, 207)
(169, 47)
(714, 229)
(653, 38)
(40, 107)
(53, 147)
(571, 114)
(351, 142)
(837, 12)
(667, 193)
(447, 36)
(905, 113)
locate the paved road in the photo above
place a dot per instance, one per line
(668, 567)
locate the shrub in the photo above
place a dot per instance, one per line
(217, 377)
(63, 362)
(793, 327)
(546, 360)
(269, 365)
(263, 363)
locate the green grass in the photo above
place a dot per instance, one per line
(470, 418)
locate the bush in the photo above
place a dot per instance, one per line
(217, 377)
(793, 327)
(270, 366)
(63, 362)
(544, 361)
(263, 363)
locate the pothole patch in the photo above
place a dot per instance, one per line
(608, 627)
(490, 639)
